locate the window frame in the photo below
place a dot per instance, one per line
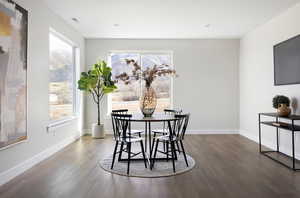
(75, 95)
(143, 52)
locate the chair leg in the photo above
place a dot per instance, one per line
(129, 155)
(164, 144)
(173, 155)
(143, 152)
(178, 148)
(167, 150)
(183, 151)
(121, 150)
(155, 152)
(153, 142)
(114, 155)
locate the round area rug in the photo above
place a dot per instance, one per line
(137, 168)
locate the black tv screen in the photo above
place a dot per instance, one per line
(287, 62)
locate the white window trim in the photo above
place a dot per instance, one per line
(141, 52)
(76, 67)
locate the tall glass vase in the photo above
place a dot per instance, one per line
(148, 101)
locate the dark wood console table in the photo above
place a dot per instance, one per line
(287, 126)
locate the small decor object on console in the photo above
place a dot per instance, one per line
(282, 103)
(148, 100)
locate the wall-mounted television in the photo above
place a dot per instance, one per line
(287, 62)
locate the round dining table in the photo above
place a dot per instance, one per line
(156, 117)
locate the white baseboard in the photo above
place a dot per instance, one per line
(271, 145)
(19, 169)
(196, 132)
(212, 132)
(246, 135)
(86, 131)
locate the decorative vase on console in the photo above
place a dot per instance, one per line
(282, 104)
(283, 110)
(148, 99)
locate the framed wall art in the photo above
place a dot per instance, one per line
(13, 73)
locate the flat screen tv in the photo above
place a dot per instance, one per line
(287, 62)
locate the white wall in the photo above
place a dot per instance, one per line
(207, 85)
(257, 76)
(40, 20)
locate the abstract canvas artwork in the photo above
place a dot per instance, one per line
(13, 73)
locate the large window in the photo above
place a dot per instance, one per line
(127, 96)
(62, 78)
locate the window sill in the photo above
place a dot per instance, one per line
(60, 123)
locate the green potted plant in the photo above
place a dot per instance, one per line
(97, 82)
(282, 104)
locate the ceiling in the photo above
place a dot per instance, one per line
(167, 18)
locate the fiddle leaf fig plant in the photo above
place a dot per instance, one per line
(97, 82)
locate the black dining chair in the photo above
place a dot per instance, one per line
(177, 129)
(165, 130)
(121, 123)
(133, 131)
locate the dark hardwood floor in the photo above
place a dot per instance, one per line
(227, 166)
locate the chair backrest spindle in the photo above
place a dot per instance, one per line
(170, 112)
(179, 126)
(121, 124)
